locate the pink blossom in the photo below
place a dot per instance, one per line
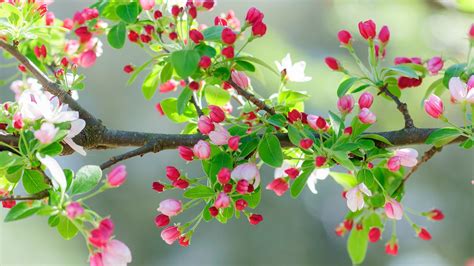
(470, 83)
(240, 79)
(202, 150)
(248, 172)
(345, 104)
(460, 92)
(116, 253)
(170, 207)
(434, 106)
(393, 164)
(96, 260)
(434, 65)
(366, 116)
(222, 201)
(366, 100)
(87, 59)
(46, 133)
(147, 4)
(408, 156)
(393, 209)
(117, 176)
(170, 234)
(355, 197)
(220, 135)
(100, 236)
(205, 125)
(367, 29)
(278, 185)
(74, 209)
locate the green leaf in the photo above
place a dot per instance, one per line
(219, 161)
(434, 88)
(206, 50)
(52, 149)
(259, 62)
(347, 181)
(453, 71)
(150, 83)
(128, 12)
(86, 179)
(343, 160)
(248, 144)
(21, 211)
(199, 192)
(365, 176)
(185, 62)
(300, 181)
(278, 120)
(33, 181)
(116, 35)
(8, 159)
(137, 71)
(14, 173)
(66, 228)
(166, 72)
(270, 151)
(357, 245)
(443, 136)
(345, 86)
(294, 135)
(170, 108)
(213, 34)
(404, 71)
(336, 122)
(376, 137)
(216, 95)
(183, 99)
(254, 198)
(244, 66)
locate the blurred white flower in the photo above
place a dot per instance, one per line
(57, 175)
(294, 72)
(318, 174)
(355, 197)
(76, 127)
(46, 133)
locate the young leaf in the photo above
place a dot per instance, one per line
(254, 198)
(357, 245)
(21, 211)
(347, 181)
(216, 95)
(199, 192)
(128, 12)
(270, 151)
(66, 228)
(345, 86)
(453, 71)
(213, 34)
(404, 71)
(86, 179)
(33, 181)
(443, 136)
(377, 137)
(183, 99)
(150, 83)
(300, 181)
(185, 62)
(170, 108)
(278, 120)
(116, 35)
(244, 66)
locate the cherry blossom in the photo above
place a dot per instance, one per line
(292, 72)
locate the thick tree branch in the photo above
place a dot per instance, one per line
(402, 107)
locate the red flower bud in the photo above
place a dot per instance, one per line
(213, 211)
(321, 123)
(217, 115)
(292, 172)
(384, 35)
(83, 34)
(306, 143)
(186, 153)
(194, 85)
(227, 188)
(374, 234)
(228, 52)
(367, 29)
(173, 36)
(228, 36)
(162, 220)
(157, 14)
(175, 10)
(205, 61)
(333, 64)
(344, 37)
(22, 68)
(159, 109)
(196, 36)
(348, 224)
(192, 12)
(294, 115)
(253, 16)
(391, 248)
(259, 29)
(133, 36)
(223, 176)
(172, 173)
(241, 204)
(145, 38)
(208, 4)
(8, 204)
(279, 186)
(158, 187)
(128, 69)
(348, 130)
(242, 186)
(255, 219)
(435, 215)
(183, 241)
(234, 143)
(320, 161)
(180, 183)
(424, 234)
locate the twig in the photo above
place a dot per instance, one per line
(196, 105)
(247, 95)
(402, 107)
(153, 146)
(41, 195)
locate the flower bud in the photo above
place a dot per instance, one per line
(333, 64)
(344, 37)
(234, 143)
(391, 248)
(208, 4)
(192, 11)
(292, 172)
(173, 35)
(293, 116)
(434, 106)
(220, 135)
(158, 187)
(259, 29)
(18, 121)
(147, 4)
(241, 204)
(279, 186)
(348, 131)
(133, 36)
(87, 59)
(348, 224)
(306, 143)
(228, 52)
(345, 104)
(213, 211)
(205, 62)
(321, 123)
(434, 65)
(423, 234)
(157, 14)
(162, 220)
(22, 68)
(180, 183)
(186, 153)
(253, 16)
(320, 161)
(223, 176)
(170, 207)
(240, 79)
(471, 32)
(435, 215)
(384, 35)
(170, 234)
(175, 10)
(74, 209)
(367, 29)
(196, 36)
(255, 219)
(374, 234)
(172, 173)
(183, 241)
(366, 116)
(205, 125)
(242, 186)
(394, 163)
(222, 201)
(228, 36)
(217, 115)
(393, 210)
(202, 150)
(117, 176)
(227, 188)
(128, 69)
(366, 100)
(194, 85)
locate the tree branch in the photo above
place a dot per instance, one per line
(247, 95)
(402, 107)
(40, 195)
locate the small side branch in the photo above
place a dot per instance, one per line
(153, 146)
(247, 95)
(401, 106)
(40, 195)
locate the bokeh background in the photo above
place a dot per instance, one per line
(294, 232)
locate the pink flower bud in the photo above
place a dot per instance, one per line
(240, 79)
(471, 32)
(434, 65)
(320, 161)
(348, 131)
(49, 18)
(234, 143)
(241, 204)
(87, 59)
(168, 86)
(205, 125)
(172, 173)
(242, 186)
(374, 234)
(170, 207)
(384, 35)
(228, 36)
(435, 215)
(255, 219)
(253, 16)
(208, 4)
(202, 150)
(292, 172)
(424, 234)
(366, 116)
(259, 29)
(228, 52)
(117, 176)
(162, 220)
(74, 209)
(306, 143)
(224, 176)
(217, 115)
(158, 187)
(96, 260)
(367, 29)
(333, 64)
(175, 10)
(391, 248)
(170, 234)
(83, 34)
(196, 36)
(222, 201)
(366, 100)
(100, 236)
(147, 4)
(186, 153)
(18, 121)
(279, 186)
(180, 183)
(128, 69)
(345, 104)
(344, 37)
(393, 210)
(394, 163)
(294, 115)
(205, 62)
(220, 135)
(434, 106)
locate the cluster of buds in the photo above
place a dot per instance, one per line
(108, 251)
(345, 105)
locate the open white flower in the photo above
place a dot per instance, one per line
(355, 197)
(46, 133)
(318, 174)
(76, 127)
(57, 174)
(459, 91)
(294, 72)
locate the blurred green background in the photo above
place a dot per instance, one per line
(294, 232)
